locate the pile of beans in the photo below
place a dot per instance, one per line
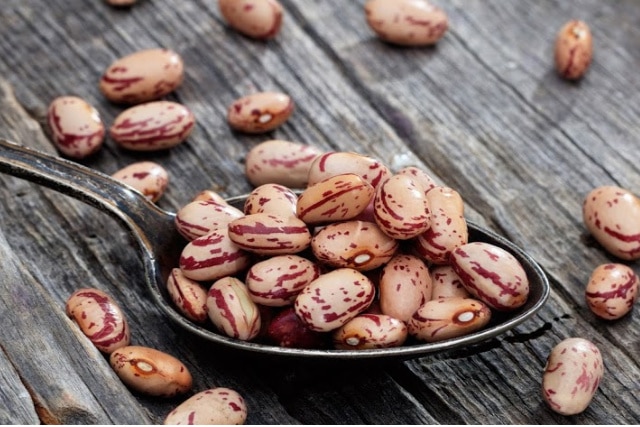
(359, 257)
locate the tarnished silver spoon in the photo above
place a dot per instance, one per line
(160, 246)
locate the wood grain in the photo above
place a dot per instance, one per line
(483, 112)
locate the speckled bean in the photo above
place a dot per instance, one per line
(213, 256)
(121, 3)
(573, 50)
(189, 296)
(572, 375)
(267, 234)
(196, 219)
(273, 199)
(337, 198)
(491, 274)
(149, 178)
(446, 283)
(401, 208)
(340, 162)
(151, 371)
(76, 127)
(259, 19)
(419, 177)
(99, 318)
(206, 195)
(367, 331)
(152, 126)
(612, 290)
(334, 298)
(280, 162)
(405, 284)
(142, 76)
(276, 281)
(360, 245)
(287, 330)
(260, 112)
(448, 227)
(406, 22)
(215, 406)
(612, 216)
(231, 309)
(445, 318)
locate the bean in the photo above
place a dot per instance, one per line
(333, 299)
(406, 22)
(198, 218)
(446, 318)
(276, 281)
(215, 406)
(121, 3)
(446, 283)
(401, 208)
(99, 318)
(260, 112)
(405, 284)
(491, 274)
(213, 256)
(76, 127)
(280, 162)
(335, 163)
(151, 371)
(355, 244)
(612, 216)
(188, 295)
(142, 76)
(152, 126)
(448, 227)
(231, 309)
(337, 198)
(612, 290)
(572, 375)
(367, 331)
(273, 199)
(419, 177)
(267, 234)
(205, 195)
(573, 50)
(259, 19)
(149, 178)
(287, 330)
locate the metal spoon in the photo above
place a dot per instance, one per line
(160, 246)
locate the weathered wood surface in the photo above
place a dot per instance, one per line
(483, 111)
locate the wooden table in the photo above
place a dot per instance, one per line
(483, 112)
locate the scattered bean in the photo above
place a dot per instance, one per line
(151, 371)
(149, 178)
(273, 199)
(99, 318)
(612, 216)
(76, 127)
(446, 318)
(572, 375)
(573, 50)
(612, 290)
(260, 112)
(280, 162)
(216, 406)
(406, 22)
(152, 126)
(142, 76)
(231, 309)
(259, 19)
(491, 274)
(335, 163)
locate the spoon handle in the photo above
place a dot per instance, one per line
(82, 183)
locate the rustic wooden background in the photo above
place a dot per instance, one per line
(483, 111)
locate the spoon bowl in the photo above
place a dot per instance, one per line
(160, 246)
